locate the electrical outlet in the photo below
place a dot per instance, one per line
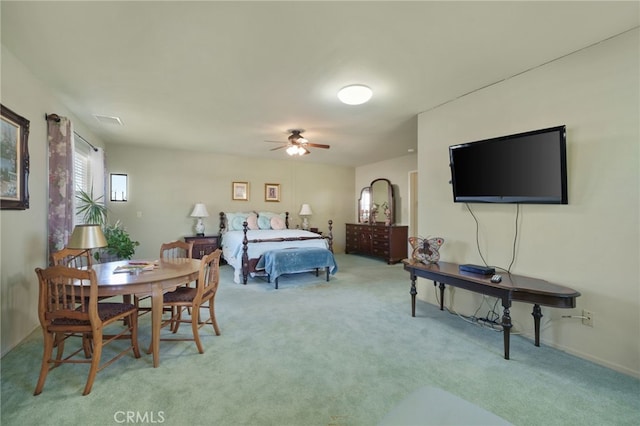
(587, 318)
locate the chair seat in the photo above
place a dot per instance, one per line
(181, 294)
(106, 311)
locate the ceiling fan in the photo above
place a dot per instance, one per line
(297, 144)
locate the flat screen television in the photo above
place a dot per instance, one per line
(529, 167)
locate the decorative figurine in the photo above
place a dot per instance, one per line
(426, 250)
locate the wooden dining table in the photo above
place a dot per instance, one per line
(166, 276)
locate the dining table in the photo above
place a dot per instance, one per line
(122, 278)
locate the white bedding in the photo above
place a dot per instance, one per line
(232, 245)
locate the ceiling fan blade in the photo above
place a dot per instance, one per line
(317, 145)
(279, 147)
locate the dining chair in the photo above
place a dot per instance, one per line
(195, 298)
(176, 249)
(73, 258)
(68, 306)
(172, 250)
(78, 259)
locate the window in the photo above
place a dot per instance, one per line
(81, 167)
(118, 187)
(88, 170)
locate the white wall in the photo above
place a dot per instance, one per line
(23, 233)
(164, 185)
(591, 244)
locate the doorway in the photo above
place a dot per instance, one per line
(413, 203)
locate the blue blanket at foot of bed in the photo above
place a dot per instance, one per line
(296, 259)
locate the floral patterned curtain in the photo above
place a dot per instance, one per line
(61, 194)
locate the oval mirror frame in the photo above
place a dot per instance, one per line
(382, 208)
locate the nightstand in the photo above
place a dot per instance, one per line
(315, 231)
(203, 245)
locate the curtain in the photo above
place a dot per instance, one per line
(61, 193)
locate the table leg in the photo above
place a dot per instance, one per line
(537, 314)
(506, 328)
(441, 296)
(413, 293)
(156, 321)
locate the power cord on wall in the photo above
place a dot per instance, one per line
(515, 238)
(491, 320)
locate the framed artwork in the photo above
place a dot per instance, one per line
(240, 191)
(14, 161)
(272, 192)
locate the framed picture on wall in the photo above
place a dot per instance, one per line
(240, 191)
(14, 161)
(272, 192)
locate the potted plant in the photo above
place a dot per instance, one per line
(119, 242)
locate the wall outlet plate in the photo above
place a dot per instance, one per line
(587, 318)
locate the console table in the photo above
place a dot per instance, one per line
(511, 288)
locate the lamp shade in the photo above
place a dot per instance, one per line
(305, 210)
(199, 211)
(87, 237)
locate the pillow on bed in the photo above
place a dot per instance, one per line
(277, 222)
(234, 221)
(264, 222)
(252, 221)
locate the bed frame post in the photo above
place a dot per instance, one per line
(245, 256)
(221, 226)
(330, 236)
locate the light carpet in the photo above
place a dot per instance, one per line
(343, 352)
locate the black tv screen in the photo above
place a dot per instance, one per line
(528, 167)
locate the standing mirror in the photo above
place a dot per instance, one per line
(364, 205)
(382, 202)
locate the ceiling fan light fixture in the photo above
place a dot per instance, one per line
(295, 150)
(355, 94)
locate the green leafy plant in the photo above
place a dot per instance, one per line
(93, 211)
(119, 243)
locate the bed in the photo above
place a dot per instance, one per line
(246, 236)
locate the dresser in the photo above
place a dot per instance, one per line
(386, 242)
(203, 245)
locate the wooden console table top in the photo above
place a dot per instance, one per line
(511, 288)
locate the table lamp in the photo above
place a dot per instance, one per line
(199, 211)
(87, 237)
(305, 212)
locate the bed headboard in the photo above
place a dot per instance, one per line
(224, 226)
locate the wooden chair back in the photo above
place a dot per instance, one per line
(176, 249)
(68, 298)
(209, 276)
(73, 258)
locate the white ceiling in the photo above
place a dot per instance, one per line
(225, 76)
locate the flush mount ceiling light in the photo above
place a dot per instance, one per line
(355, 94)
